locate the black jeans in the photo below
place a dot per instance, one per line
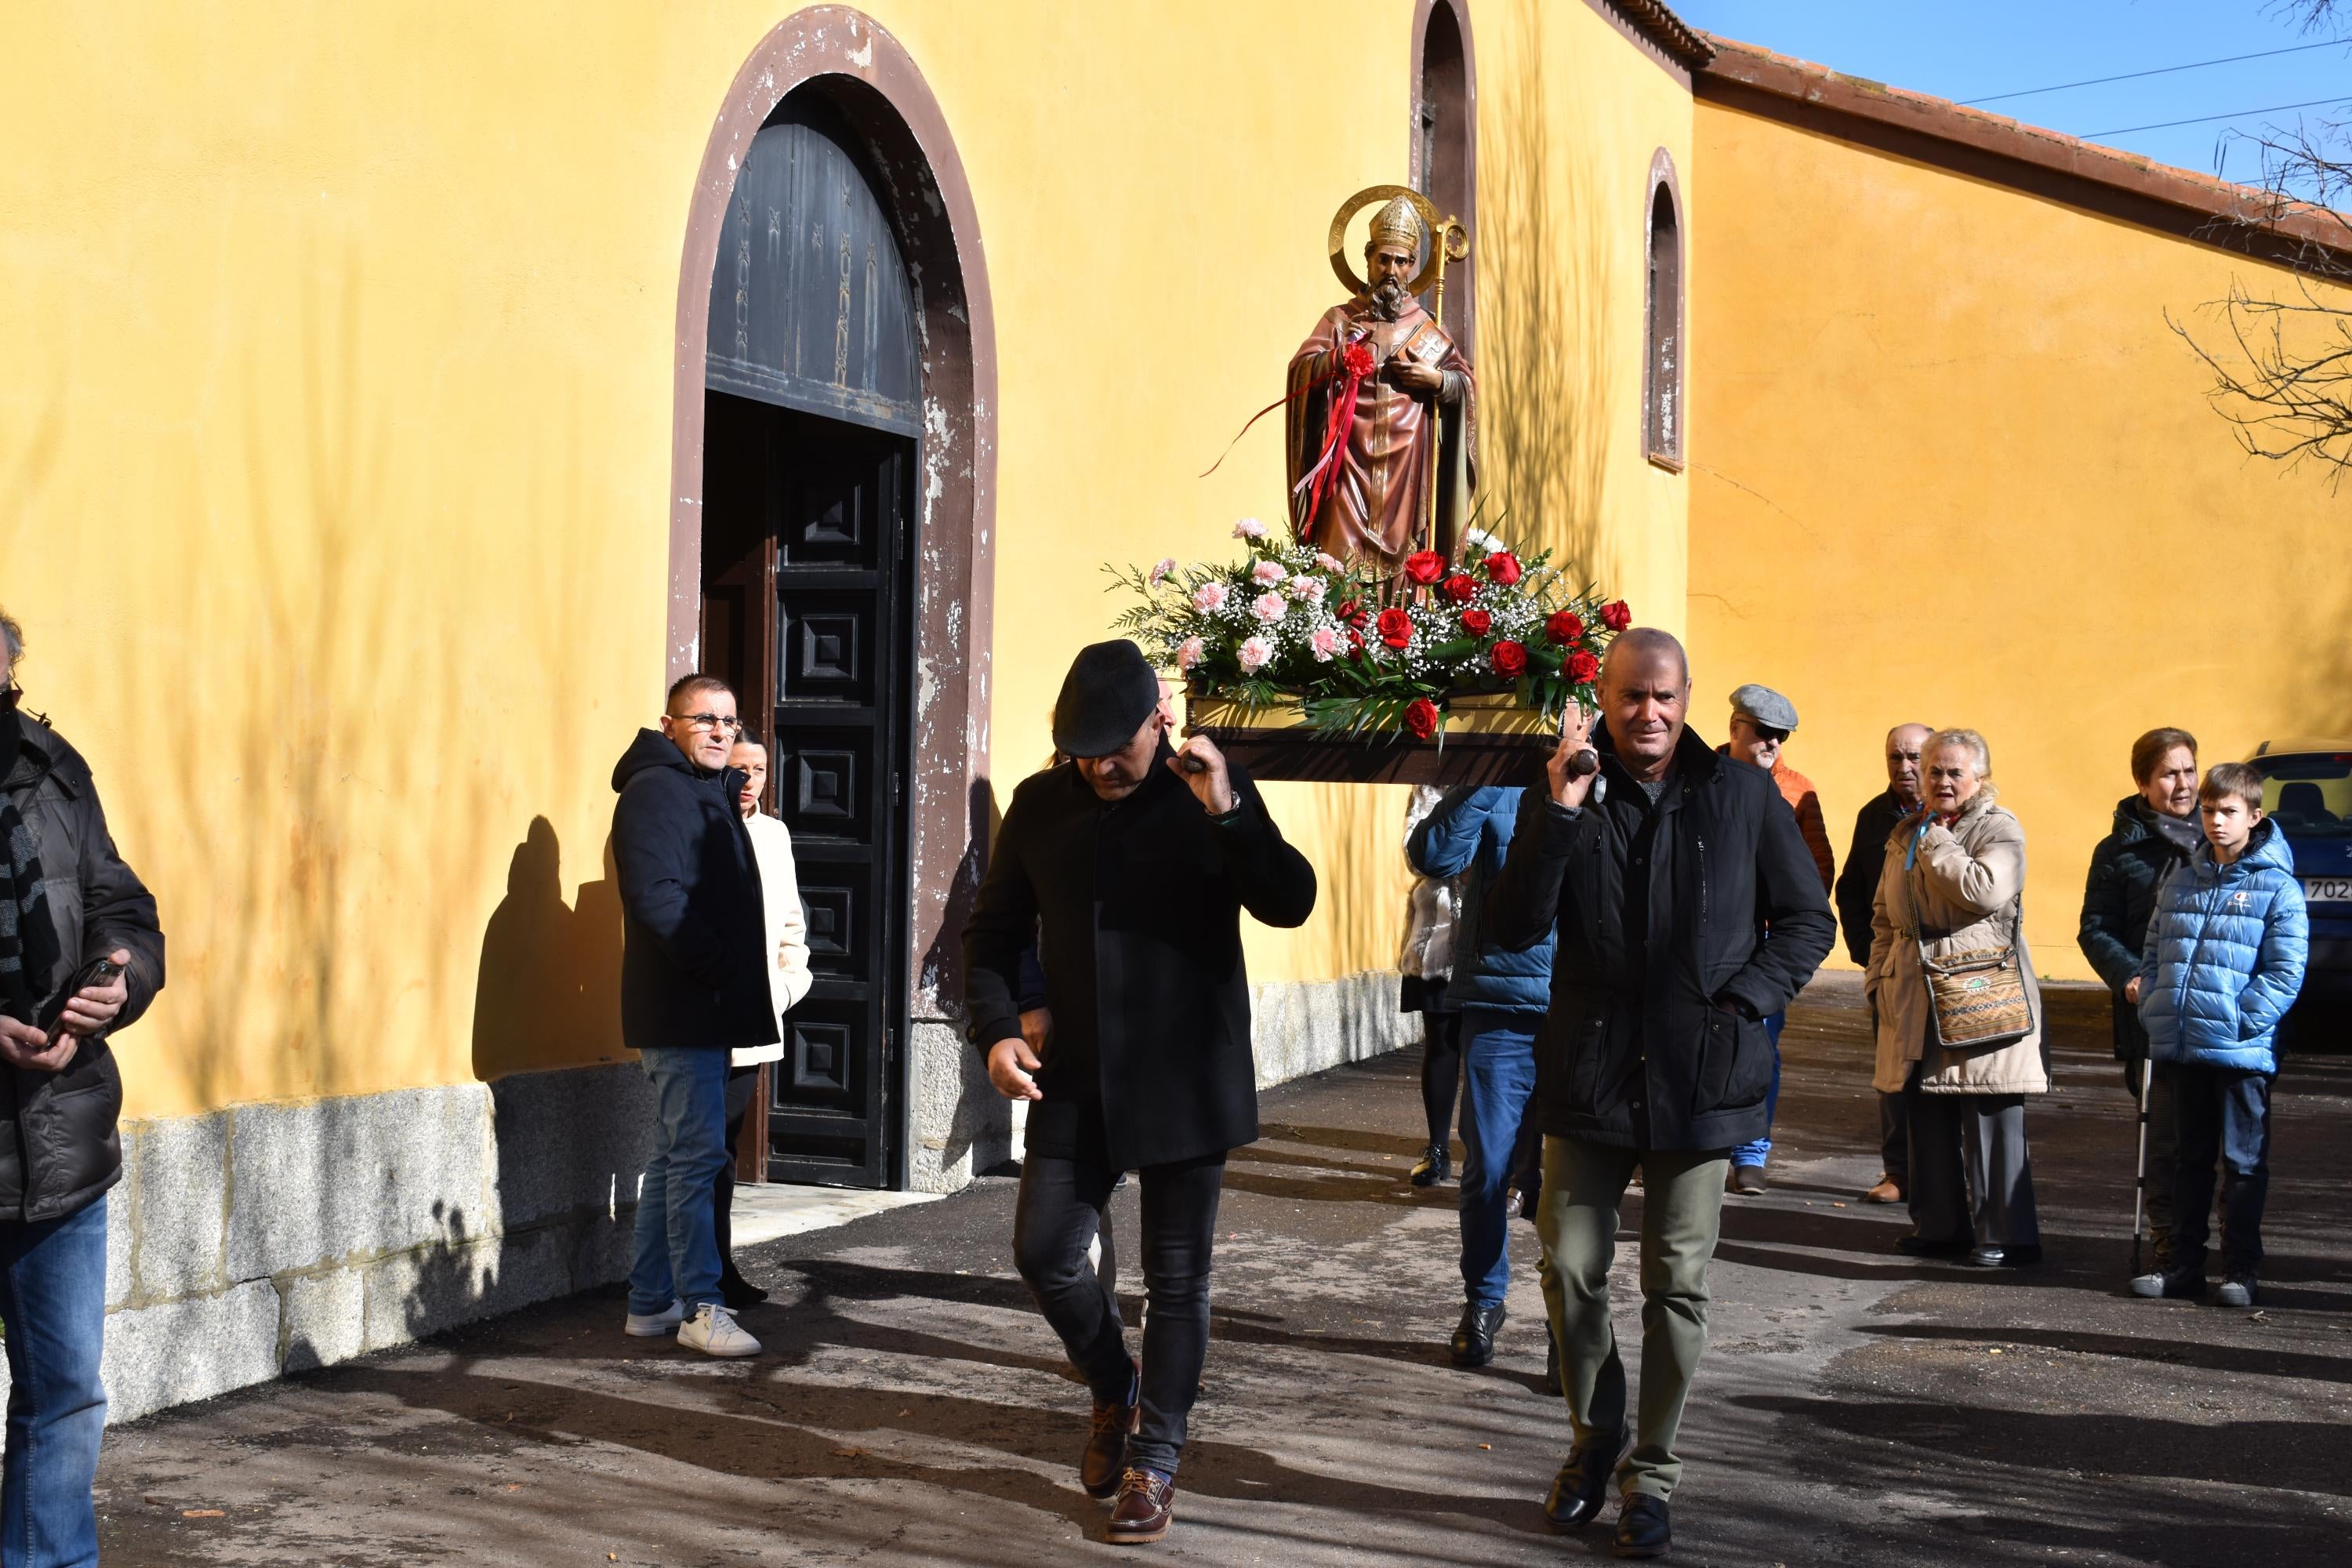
(2224, 1116)
(1060, 1204)
(741, 1083)
(1441, 1072)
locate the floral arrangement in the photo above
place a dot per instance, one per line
(1293, 624)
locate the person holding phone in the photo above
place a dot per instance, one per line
(81, 956)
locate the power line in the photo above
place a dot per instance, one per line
(2160, 70)
(2208, 118)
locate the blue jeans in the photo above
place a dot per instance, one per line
(1756, 1153)
(676, 1245)
(53, 1299)
(1498, 1063)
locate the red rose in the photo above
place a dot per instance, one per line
(1615, 615)
(1476, 622)
(1564, 627)
(1459, 588)
(1396, 627)
(1510, 658)
(1420, 718)
(1356, 643)
(1356, 360)
(1346, 610)
(1425, 566)
(1583, 667)
(1503, 567)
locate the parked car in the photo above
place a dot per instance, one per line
(2308, 791)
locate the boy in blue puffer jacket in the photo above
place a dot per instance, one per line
(2225, 960)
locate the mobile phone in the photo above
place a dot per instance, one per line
(97, 972)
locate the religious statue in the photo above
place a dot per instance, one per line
(1381, 444)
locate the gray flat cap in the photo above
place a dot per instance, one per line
(1764, 707)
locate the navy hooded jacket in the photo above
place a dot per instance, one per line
(1468, 835)
(2225, 956)
(694, 959)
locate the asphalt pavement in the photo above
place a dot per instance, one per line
(1855, 1407)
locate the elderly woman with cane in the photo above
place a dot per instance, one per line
(1960, 1012)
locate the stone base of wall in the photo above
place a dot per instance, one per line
(273, 1239)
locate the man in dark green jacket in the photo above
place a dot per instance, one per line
(2155, 831)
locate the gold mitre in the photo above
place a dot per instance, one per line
(1396, 227)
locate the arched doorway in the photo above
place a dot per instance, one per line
(1444, 151)
(830, 540)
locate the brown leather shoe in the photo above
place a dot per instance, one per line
(1107, 1436)
(1886, 1192)
(1147, 1501)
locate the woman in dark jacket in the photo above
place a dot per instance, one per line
(2156, 831)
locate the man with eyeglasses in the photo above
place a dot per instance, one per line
(694, 986)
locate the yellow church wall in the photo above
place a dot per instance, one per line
(335, 435)
(1951, 465)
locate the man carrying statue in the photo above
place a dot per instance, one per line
(1381, 440)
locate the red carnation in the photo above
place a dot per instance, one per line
(1564, 627)
(1476, 622)
(1583, 667)
(1503, 567)
(1459, 588)
(1396, 627)
(1356, 360)
(1615, 615)
(1510, 658)
(1425, 566)
(1420, 718)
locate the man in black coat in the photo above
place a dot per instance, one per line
(1857, 891)
(1659, 873)
(67, 902)
(1129, 866)
(694, 985)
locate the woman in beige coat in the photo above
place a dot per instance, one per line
(1955, 878)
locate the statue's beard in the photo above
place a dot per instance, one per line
(1388, 300)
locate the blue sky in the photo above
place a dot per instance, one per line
(1988, 46)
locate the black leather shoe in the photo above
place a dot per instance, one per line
(738, 1292)
(1436, 1163)
(1583, 1484)
(1748, 1181)
(2005, 1256)
(1928, 1246)
(1551, 1383)
(1642, 1527)
(1473, 1336)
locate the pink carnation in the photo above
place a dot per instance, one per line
(1308, 589)
(1189, 652)
(1254, 653)
(1328, 564)
(1159, 573)
(1249, 528)
(1268, 572)
(1325, 642)
(1268, 607)
(1209, 597)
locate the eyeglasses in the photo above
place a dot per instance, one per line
(727, 723)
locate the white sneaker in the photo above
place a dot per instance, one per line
(712, 1329)
(655, 1325)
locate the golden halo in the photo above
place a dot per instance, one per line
(1431, 224)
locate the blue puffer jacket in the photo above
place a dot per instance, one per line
(2225, 957)
(1468, 835)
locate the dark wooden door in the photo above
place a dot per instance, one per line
(842, 662)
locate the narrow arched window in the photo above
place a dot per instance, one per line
(1662, 374)
(1445, 147)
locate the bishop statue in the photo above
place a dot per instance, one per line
(1382, 428)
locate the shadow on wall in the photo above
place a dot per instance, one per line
(547, 992)
(1543, 337)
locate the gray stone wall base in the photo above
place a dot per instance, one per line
(279, 1238)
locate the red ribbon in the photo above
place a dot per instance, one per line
(1355, 363)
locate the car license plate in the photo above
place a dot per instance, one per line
(2328, 890)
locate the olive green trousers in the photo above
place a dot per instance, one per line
(1682, 1205)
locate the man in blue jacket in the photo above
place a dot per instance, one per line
(1502, 992)
(694, 985)
(2225, 960)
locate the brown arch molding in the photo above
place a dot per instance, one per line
(870, 78)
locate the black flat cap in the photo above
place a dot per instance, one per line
(1110, 690)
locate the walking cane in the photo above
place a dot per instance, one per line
(2140, 1182)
